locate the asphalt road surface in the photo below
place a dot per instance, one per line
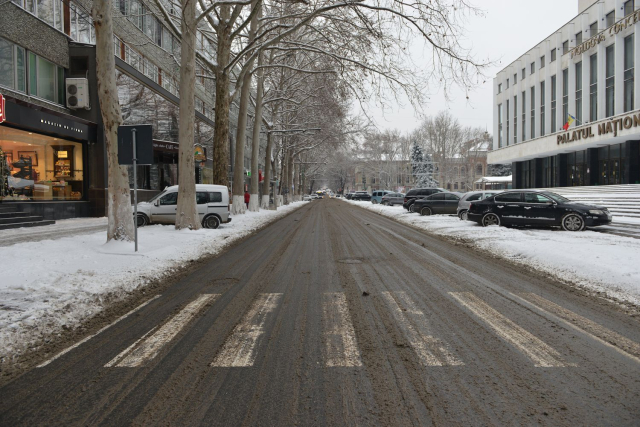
(337, 316)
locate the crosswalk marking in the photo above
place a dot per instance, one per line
(538, 351)
(432, 351)
(67, 350)
(239, 349)
(148, 347)
(598, 332)
(340, 338)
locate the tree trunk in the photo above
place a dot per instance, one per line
(120, 224)
(221, 121)
(290, 175)
(266, 185)
(255, 150)
(186, 210)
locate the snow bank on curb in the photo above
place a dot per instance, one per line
(600, 262)
(50, 285)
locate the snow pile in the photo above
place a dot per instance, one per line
(50, 285)
(597, 261)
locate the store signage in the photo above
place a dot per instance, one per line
(610, 32)
(2, 115)
(199, 154)
(166, 146)
(609, 127)
(42, 122)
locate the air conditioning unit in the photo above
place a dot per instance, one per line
(78, 94)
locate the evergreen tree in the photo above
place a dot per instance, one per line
(499, 170)
(422, 168)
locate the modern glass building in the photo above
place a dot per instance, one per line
(566, 112)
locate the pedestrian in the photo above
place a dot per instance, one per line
(247, 197)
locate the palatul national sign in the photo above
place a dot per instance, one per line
(611, 31)
(610, 126)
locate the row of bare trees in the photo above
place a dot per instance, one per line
(300, 65)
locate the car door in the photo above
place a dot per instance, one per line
(435, 202)
(450, 204)
(202, 199)
(509, 207)
(539, 209)
(165, 211)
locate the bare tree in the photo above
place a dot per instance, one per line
(120, 215)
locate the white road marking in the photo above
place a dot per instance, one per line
(63, 352)
(597, 332)
(239, 349)
(148, 347)
(340, 337)
(431, 350)
(542, 355)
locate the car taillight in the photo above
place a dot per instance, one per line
(471, 206)
(405, 200)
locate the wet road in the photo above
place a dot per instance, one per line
(337, 316)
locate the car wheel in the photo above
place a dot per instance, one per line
(490, 219)
(463, 215)
(384, 203)
(142, 220)
(411, 209)
(374, 201)
(572, 222)
(211, 221)
(425, 211)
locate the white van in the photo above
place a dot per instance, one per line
(212, 202)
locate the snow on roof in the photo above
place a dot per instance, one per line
(495, 179)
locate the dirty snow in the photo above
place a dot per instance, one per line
(599, 262)
(54, 284)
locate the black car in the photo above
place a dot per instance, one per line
(439, 203)
(361, 195)
(419, 193)
(348, 196)
(537, 208)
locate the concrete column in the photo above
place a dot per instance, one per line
(636, 56)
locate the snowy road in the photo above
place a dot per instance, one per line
(335, 315)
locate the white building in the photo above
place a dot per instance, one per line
(586, 70)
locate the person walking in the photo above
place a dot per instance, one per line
(247, 197)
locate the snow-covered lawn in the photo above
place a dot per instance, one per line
(597, 261)
(48, 285)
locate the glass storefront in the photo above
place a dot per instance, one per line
(611, 159)
(39, 167)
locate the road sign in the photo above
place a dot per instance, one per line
(144, 145)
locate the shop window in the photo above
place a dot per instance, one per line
(12, 66)
(38, 167)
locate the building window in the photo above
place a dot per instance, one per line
(507, 116)
(565, 95)
(533, 112)
(629, 64)
(565, 47)
(553, 55)
(628, 7)
(81, 25)
(533, 67)
(12, 66)
(553, 104)
(523, 74)
(593, 87)
(479, 169)
(542, 62)
(610, 81)
(515, 78)
(610, 18)
(542, 107)
(593, 29)
(579, 38)
(515, 119)
(524, 114)
(46, 80)
(499, 87)
(507, 83)
(499, 125)
(50, 11)
(578, 112)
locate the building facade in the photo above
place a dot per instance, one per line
(567, 113)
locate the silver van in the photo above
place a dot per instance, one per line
(212, 203)
(473, 196)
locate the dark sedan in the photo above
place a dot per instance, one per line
(361, 195)
(537, 208)
(439, 203)
(418, 193)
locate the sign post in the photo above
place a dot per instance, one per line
(135, 147)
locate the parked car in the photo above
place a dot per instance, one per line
(361, 195)
(418, 193)
(438, 203)
(537, 208)
(472, 196)
(212, 203)
(314, 196)
(349, 196)
(306, 198)
(376, 196)
(392, 199)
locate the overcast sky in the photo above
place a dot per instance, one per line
(508, 29)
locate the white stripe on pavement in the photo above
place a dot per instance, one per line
(597, 332)
(63, 352)
(542, 355)
(432, 351)
(149, 345)
(340, 337)
(239, 349)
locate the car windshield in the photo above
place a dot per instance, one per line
(558, 198)
(157, 196)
